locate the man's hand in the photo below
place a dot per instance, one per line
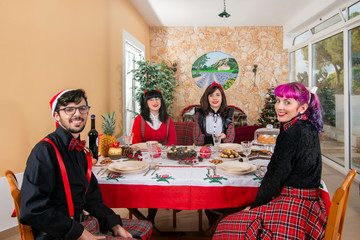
(86, 235)
(247, 208)
(119, 231)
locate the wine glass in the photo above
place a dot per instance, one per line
(217, 140)
(128, 139)
(246, 149)
(152, 148)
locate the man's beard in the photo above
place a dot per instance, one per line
(72, 130)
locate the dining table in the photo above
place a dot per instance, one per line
(183, 185)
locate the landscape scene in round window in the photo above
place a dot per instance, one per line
(216, 67)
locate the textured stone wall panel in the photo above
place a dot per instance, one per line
(248, 45)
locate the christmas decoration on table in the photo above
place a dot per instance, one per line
(268, 114)
(188, 161)
(180, 153)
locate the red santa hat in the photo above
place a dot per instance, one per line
(54, 101)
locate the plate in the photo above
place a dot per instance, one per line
(233, 146)
(130, 167)
(236, 167)
(142, 146)
(257, 154)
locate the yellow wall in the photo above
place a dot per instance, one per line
(47, 46)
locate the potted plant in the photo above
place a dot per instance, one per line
(151, 76)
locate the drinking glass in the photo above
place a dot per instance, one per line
(217, 141)
(128, 139)
(246, 149)
(152, 148)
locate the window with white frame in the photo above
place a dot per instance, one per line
(330, 60)
(133, 51)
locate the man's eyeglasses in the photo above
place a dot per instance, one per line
(71, 110)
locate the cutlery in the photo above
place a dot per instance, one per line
(208, 169)
(156, 168)
(147, 171)
(101, 169)
(214, 169)
(106, 170)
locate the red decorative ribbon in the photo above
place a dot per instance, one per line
(216, 85)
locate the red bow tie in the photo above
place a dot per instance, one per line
(76, 143)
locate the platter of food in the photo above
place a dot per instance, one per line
(142, 146)
(231, 146)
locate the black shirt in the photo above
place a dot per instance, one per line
(296, 162)
(43, 200)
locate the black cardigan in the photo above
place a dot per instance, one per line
(296, 162)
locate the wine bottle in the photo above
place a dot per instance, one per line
(93, 138)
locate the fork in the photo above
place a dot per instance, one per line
(208, 169)
(214, 169)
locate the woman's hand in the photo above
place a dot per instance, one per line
(86, 235)
(119, 231)
(223, 135)
(247, 208)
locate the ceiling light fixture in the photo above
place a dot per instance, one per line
(224, 14)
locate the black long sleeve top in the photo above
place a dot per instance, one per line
(296, 162)
(43, 201)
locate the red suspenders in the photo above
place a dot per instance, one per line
(65, 176)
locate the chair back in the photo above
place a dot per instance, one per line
(338, 207)
(184, 133)
(25, 230)
(245, 133)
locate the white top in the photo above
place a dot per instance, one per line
(213, 123)
(156, 123)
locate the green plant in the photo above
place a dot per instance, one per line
(155, 76)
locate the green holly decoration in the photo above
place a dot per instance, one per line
(215, 178)
(113, 176)
(163, 178)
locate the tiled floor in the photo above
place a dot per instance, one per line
(187, 221)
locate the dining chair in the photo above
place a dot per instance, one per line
(338, 207)
(184, 133)
(25, 230)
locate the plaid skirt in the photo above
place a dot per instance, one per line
(138, 228)
(294, 214)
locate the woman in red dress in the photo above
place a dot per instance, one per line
(153, 124)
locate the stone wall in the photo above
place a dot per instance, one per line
(248, 45)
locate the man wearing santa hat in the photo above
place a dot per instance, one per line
(58, 185)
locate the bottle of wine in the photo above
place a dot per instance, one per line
(93, 138)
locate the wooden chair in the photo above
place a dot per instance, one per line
(25, 230)
(337, 212)
(200, 218)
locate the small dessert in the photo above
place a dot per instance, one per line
(106, 161)
(266, 139)
(115, 151)
(216, 161)
(180, 153)
(229, 153)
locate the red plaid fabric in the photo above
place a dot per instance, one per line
(199, 136)
(184, 133)
(76, 144)
(294, 214)
(138, 228)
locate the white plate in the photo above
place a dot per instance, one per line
(129, 167)
(236, 167)
(142, 146)
(233, 146)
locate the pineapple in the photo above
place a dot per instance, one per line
(107, 138)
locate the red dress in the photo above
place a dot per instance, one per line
(154, 135)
